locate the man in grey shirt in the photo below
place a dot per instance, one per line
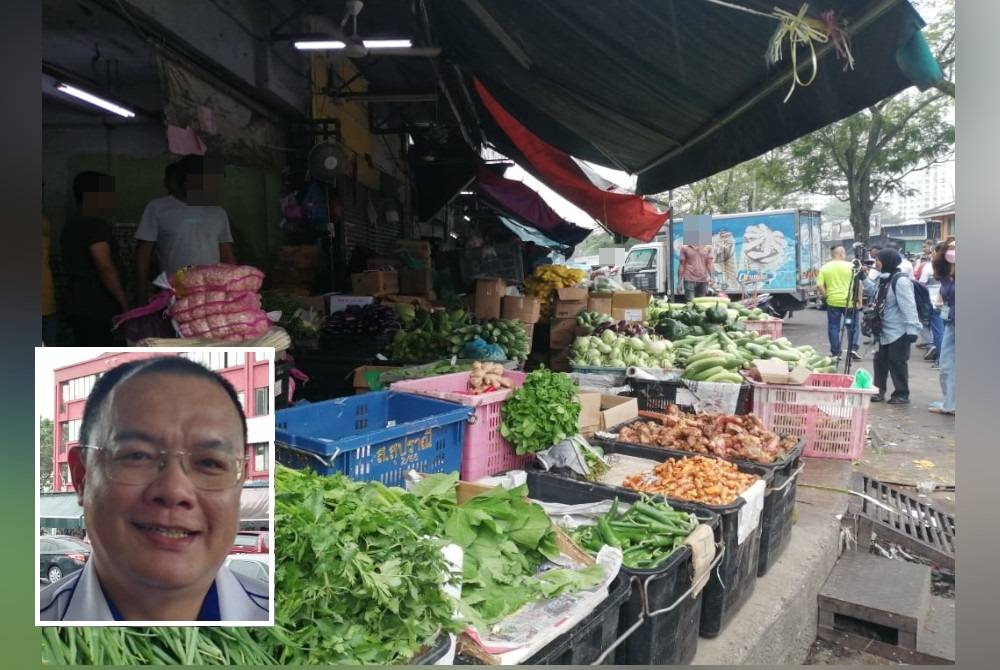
(186, 227)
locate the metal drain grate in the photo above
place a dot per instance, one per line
(914, 525)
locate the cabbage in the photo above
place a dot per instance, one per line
(609, 336)
(657, 348)
(637, 343)
(604, 349)
(616, 363)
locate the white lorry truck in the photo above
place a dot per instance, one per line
(776, 252)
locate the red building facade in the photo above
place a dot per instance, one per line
(247, 372)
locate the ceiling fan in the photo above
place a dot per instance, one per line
(354, 46)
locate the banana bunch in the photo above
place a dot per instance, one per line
(507, 333)
(544, 281)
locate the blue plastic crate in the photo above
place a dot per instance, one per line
(372, 437)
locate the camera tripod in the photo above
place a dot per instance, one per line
(852, 314)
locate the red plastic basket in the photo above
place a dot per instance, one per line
(829, 415)
(769, 327)
(484, 451)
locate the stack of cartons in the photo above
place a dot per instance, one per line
(567, 304)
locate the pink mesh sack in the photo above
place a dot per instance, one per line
(220, 277)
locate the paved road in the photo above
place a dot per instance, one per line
(900, 435)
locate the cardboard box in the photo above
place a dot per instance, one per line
(629, 305)
(600, 411)
(416, 282)
(338, 302)
(521, 308)
(382, 263)
(375, 283)
(415, 249)
(775, 371)
(569, 302)
(590, 411)
(600, 303)
(562, 332)
(489, 297)
(363, 373)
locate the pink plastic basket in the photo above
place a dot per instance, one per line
(829, 415)
(484, 451)
(769, 327)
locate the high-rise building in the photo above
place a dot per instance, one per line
(248, 373)
(932, 187)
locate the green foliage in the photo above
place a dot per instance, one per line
(358, 576)
(540, 413)
(505, 539)
(758, 184)
(45, 432)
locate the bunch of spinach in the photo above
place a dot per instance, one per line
(506, 540)
(542, 412)
(357, 578)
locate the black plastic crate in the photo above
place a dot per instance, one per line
(655, 395)
(586, 641)
(734, 579)
(434, 653)
(779, 502)
(670, 635)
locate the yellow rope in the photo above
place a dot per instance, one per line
(802, 30)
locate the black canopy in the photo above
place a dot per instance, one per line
(674, 90)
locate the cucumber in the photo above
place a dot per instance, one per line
(730, 377)
(700, 366)
(790, 356)
(705, 374)
(734, 363)
(708, 353)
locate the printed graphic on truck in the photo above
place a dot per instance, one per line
(810, 248)
(756, 252)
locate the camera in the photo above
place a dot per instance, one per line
(860, 252)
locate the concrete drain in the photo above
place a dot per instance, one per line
(913, 525)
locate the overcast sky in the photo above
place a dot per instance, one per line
(48, 359)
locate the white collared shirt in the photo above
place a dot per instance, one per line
(79, 597)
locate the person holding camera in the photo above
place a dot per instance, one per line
(898, 327)
(837, 284)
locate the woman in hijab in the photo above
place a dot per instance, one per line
(944, 271)
(900, 327)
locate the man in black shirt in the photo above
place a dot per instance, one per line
(95, 291)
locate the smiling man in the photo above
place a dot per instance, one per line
(159, 474)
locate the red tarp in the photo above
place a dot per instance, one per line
(624, 214)
(528, 207)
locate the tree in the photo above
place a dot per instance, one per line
(764, 182)
(45, 454)
(867, 155)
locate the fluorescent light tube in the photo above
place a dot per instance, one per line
(320, 45)
(94, 100)
(388, 44)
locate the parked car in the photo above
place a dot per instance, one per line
(257, 566)
(60, 555)
(251, 542)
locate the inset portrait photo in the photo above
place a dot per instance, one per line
(155, 491)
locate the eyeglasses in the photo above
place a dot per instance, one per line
(207, 468)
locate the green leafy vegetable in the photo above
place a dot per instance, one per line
(542, 412)
(357, 577)
(506, 540)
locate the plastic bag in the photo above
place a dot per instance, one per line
(477, 349)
